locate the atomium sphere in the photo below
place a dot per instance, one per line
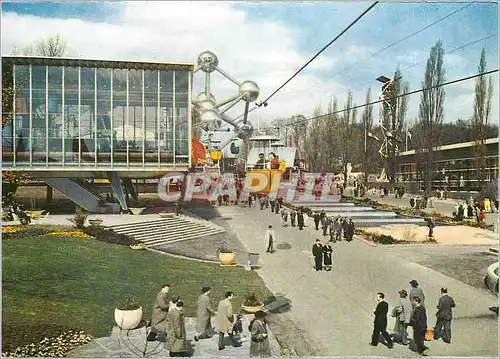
(210, 120)
(208, 61)
(204, 106)
(203, 97)
(244, 130)
(250, 90)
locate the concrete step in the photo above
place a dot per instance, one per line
(315, 204)
(155, 237)
(165, 227)
(371, 214)
(345, 209)
(374, 222)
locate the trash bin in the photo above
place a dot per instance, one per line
(253, 259)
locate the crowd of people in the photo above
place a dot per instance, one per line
(410, 312)
(168, 324)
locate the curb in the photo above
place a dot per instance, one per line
(365, 240)
(190, 258)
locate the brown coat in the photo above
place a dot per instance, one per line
(224, 320)
(204, 314)
(176, 332)
(160, 310)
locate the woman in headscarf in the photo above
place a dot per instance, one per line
(259, 345)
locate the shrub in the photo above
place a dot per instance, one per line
(108, 236)
(128, 303)
(383, 239)
(251, 300)
(223, 248)
(80, 217)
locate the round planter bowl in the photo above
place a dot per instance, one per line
(137, 211)
(252, 309)
(226, 259)
(128, 319)
(95, 222)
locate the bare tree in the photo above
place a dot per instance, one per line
(482, 110)
(52, 46)
(431, 109)
(367, 119)
(346, 131)
(311, 148)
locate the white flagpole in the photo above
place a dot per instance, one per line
(365, 138)
(406, 135)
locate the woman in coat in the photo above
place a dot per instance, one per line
(259, 345)
(203, 316)
(327, 256)
(176, 335)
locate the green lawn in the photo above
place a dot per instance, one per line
(56, 283)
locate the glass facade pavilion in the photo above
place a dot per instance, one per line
(95, 115)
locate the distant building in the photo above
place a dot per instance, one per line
(455, 167)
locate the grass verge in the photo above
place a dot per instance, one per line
(52, 284)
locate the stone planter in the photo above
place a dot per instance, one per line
(227, 259)
(95, 222)
(128, 319)
(252, 309)
(137, 211)
(166, 214)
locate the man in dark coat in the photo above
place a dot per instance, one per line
(317, 252)
(317, 218)
(444, 316)
(419, 324)
(350, 229)
(277, 207)
(326, 225)
(344, 227)
(380, 322)
(273, 203)
(293, 216)
(300, 219)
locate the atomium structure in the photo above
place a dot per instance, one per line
(211, 112)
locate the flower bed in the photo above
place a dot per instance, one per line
(56, 347)
(12, 229)
(78, 234)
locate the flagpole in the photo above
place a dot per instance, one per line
(406, 135)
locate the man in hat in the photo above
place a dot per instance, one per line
(317, 252)
(224, 320)
(444, 316)
(203, 316)
(380, 322)
(270, 239)
(403, 316)
(417, 292)
(419, 324)
(350, 230)
(293, 216)
(159, 319)
(300, 219)
(261, 162)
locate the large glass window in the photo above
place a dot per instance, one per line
(22, 111)
(39, 115)
(151, 114)
(181, 116)
(135, 114)
(55, 123)
(120, 116)
(104, 128)
(71, 118)
(7, 112)
(166, 117)
(87, 115)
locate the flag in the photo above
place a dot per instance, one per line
(408, 134)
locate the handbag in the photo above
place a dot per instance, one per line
(429, 335)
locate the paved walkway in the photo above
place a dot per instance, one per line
(335, 308)
(444, 206)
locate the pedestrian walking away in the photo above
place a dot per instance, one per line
(259, 345)
(380, 322)
(176, 342)
(327, 256)
(203, 316)
(316, 218)
(300, 219)
(419, 323)
(159, 318)
(224, 320)
(293, 216)
(417, 292)
(338, 228)
(317, 252)
(331, 231)
(270, 239)
(402, 312)
(444, 316)
(350, 230)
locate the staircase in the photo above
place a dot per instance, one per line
(167, 230)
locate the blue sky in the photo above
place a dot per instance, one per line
(267, 42)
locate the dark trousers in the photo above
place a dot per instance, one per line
(324, 229)
(377, 330)
(319, 262)
(443, 334)
(221, 340)
(301, 226)
(270, 247)
(293, 222)
(418, 338)
(317, 225)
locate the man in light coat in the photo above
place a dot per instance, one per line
(417, 292)
(160, 310)
(176, 334)
(224, 320)
(444, 316)
(203, 316)
(270, 239)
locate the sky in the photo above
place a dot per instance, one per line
(267, 42)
